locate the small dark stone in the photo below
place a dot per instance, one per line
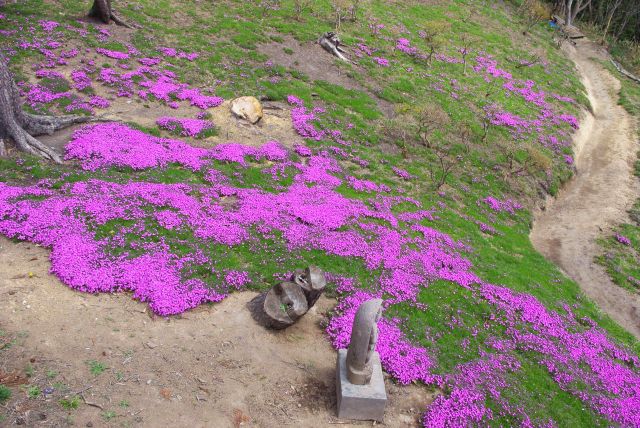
(89, 424)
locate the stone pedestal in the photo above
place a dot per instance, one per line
(362, 402)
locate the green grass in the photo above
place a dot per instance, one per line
(70, 403)
(34, 391)
(108, 415)
(5, 394)
(96, 367)
(629, 91)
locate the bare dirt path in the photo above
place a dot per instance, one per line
(211, 367)
(600, 194)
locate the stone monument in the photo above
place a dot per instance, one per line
(359, 380)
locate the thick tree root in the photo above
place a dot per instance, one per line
(47, 125)
(101, 10)
(29, 144)
(34, 125)
(118, 21)
(3, 150)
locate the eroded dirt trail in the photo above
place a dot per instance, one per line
(600, 194)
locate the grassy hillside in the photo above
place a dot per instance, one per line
(410, 177)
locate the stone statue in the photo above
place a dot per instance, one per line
(359, 380)
(280, 307)
(287, 301)
(312, 282)
(364, 336)
(332, 44)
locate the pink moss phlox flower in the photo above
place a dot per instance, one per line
(149, 62)
(490, 67)
(48, 26)
(112, 54)
(113, 144)
(507, 205)
(38, 94)
(570, 119)
(189, 127)
(563, 98)
(366, 185)
(623, 239)
(462, 407)
(237, 279)
(43, 72)
(71, 53)
(99, 102)
(302, 150)
(402, 173)
(404, 45)
(302, 120)
(170, 52)
(293, 100)
(381, 61)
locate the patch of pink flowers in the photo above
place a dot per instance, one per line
(402, 173)
(188, 127)
(623, 239)
(112, 54)
(507, 205)
(381, 61)
(404, 45)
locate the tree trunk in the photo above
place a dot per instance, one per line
(568, 9)
(573, 8)
(21, 127)
(101, 10)
(611, 13)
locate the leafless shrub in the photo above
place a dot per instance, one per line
(433, 35)
(299, 6)
(534, 12)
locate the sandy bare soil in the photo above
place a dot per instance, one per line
(600, 194)
(211, 367)
(310, 59)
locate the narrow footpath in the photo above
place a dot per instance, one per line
(599, 195)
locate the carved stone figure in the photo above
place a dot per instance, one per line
(364, 336)
(359, 380)
(280, 307)
(330, 42)
(312, 282)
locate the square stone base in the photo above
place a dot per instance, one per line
(362, 402)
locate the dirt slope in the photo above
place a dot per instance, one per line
(598, 197)
(211, 367)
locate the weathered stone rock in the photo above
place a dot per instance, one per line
(364, 336)
(247, 108)
(312, 282)
(281, 306)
